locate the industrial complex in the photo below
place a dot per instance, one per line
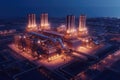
(42, 41)
(65, 52)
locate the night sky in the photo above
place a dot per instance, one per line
(60, 8)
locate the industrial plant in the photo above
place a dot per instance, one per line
(42, 41)
(69, 51)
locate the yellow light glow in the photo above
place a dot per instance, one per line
(54, 57)
(62, 28)
(83, 29)
(69, 31)
(45, 24)
(87, 40)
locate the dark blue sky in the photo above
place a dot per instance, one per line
(60, 8)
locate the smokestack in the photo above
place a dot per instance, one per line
(41, 21)
(46, 18)
(70, 22)
(34, 20)
(82, 22)
(29, 20)
(44, 21)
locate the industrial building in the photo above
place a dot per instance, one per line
(43, 42)
(65, 52)
(41, 46)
